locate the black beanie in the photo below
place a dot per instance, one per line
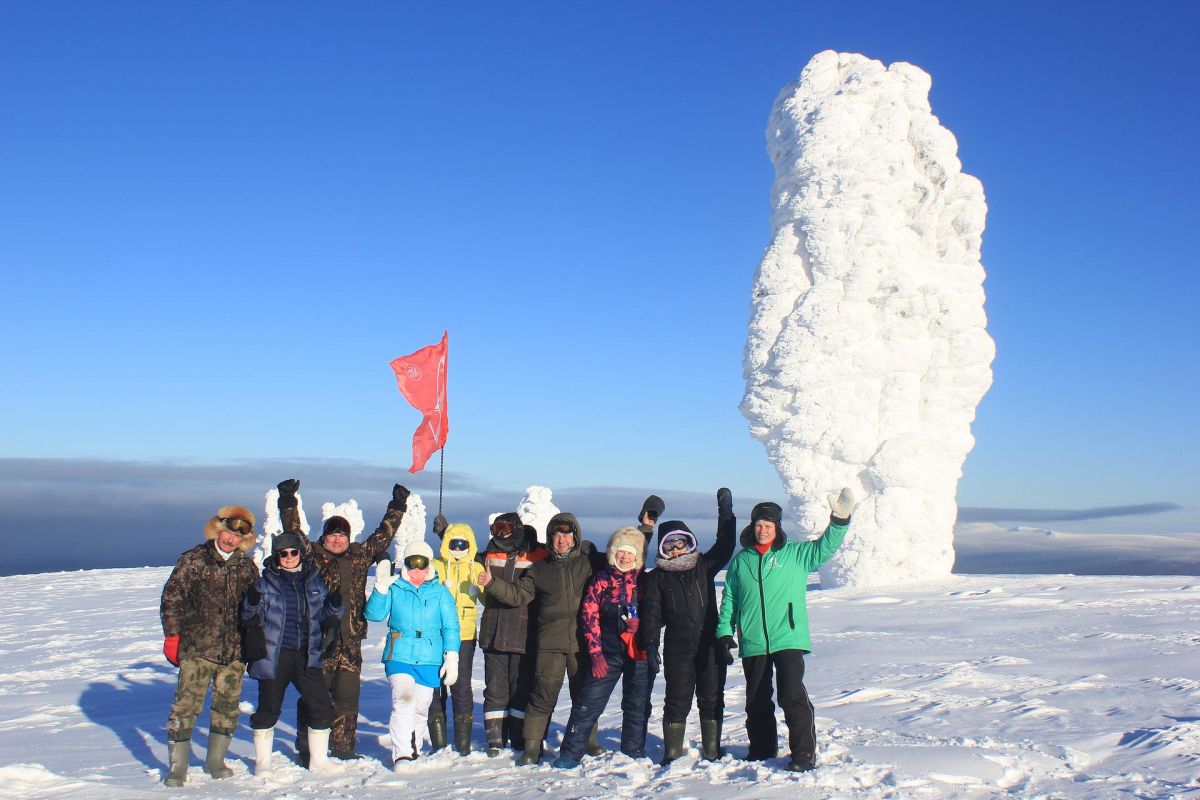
(286, 540)
(336, 524)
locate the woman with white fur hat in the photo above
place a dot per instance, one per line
(421, 651)
(608, 620)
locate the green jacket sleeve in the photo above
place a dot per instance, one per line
(821, 549)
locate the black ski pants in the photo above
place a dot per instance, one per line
(310, 682)
(788, 668)
(693, 671)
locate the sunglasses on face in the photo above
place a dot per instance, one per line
(416, 562)
(502, 527)
(236, 524)
(289, 552)
(458, 544)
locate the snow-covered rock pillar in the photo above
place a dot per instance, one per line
(867, 351)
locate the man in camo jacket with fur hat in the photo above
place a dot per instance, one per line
(199, 613)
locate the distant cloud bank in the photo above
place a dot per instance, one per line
(64, 514)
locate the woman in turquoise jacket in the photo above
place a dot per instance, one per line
(764, 600)
(421, 651)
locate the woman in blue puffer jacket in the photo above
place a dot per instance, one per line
(289, 604)
(421, 651)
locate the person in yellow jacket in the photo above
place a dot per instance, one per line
(458, 570)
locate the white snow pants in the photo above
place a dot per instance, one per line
(410, 711)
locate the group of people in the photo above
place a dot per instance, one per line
(560, 611)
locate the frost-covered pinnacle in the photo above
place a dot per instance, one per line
(867, 351)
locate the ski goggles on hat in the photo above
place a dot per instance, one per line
(564, 527)
(287, 552)
(458, 544)
(502, 527)
(416, 562)
(237, 524)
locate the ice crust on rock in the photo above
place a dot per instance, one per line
(536, 509)
(867, 351)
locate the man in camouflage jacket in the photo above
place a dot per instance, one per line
(343, 565)
(199, 612)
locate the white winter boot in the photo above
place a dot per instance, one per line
(264, 740)
(318, 753)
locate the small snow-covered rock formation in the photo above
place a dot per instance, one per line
(273, 526)
(536, 509)
(412, 527)
(867, 351)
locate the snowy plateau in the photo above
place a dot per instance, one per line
(972, 686)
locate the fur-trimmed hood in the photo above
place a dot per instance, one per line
(630, 537)
(214, 526)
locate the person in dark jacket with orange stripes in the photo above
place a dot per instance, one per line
(504, 633)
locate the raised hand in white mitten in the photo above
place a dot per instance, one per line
(383, 576)
(449, 670)
(841, 506)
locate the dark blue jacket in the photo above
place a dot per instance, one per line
(271, 611)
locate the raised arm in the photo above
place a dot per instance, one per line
(379, 541)
(722, 550)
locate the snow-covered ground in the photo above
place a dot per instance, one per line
(1027, 686)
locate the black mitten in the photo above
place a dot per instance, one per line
(654, 507)
(724, 502)
(253, 596)
(399, 499)
(724, 645)
(287, 493)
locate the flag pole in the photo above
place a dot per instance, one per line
(441, 476)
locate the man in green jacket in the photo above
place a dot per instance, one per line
(764, 600)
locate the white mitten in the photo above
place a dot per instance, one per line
(842, 505)
(449, 670)
(383, 576)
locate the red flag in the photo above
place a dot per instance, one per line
(422, 380)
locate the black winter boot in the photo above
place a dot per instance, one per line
(710, 738)
(532, 754)
(516, 732)
(177, 762)
(593, 747)
(462, 734)
(214, 761)
(494, 730)
(437, 733)
(801, 762)
(672, 741)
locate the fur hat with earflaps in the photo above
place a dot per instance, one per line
(631, 540)
(234, 518)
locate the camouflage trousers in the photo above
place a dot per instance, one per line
(195, 676)
(343, 677)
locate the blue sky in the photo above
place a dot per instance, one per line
(220, 221)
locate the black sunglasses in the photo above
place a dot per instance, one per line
(416, 562)
(289, 552)
(458, 544)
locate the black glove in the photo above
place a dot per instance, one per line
(399, 499)
(724, 645)
(724, 502)
(440, 524)
(253, 596)
(287, 493)
(335, 597)
(654, 507)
